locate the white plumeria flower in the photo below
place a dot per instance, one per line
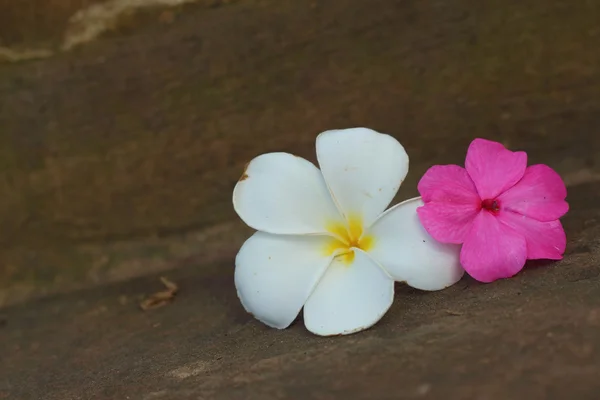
(324, 241)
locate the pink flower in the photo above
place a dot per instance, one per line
(502, 211)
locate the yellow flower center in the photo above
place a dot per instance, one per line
(346, 238)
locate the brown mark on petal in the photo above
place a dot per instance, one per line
(244, 174)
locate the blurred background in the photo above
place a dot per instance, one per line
(124, 124)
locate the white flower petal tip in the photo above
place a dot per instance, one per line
(409, 254)
(284, 194)
(363, 169)
(349, 298)
(275, 275)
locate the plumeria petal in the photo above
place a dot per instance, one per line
(349, 297)
(282, 193)
(408, 253)
(540, 194)
(492, 250)
(363, 169)
(275, 274)
(493, 168)
(448, 183)
(545, 240)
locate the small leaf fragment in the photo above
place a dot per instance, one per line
(161, 298)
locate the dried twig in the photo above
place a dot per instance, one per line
(161, 298)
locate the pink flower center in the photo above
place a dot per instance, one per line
(492, 205)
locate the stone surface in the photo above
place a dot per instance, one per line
(144, 135)
(117, 160)
(37, 29)
(531, 337)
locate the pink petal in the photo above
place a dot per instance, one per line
(545, 240)
(492, 250)
(540, 194)
(493, 168)
(449, 183)
(451, 203)
(447, 222)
